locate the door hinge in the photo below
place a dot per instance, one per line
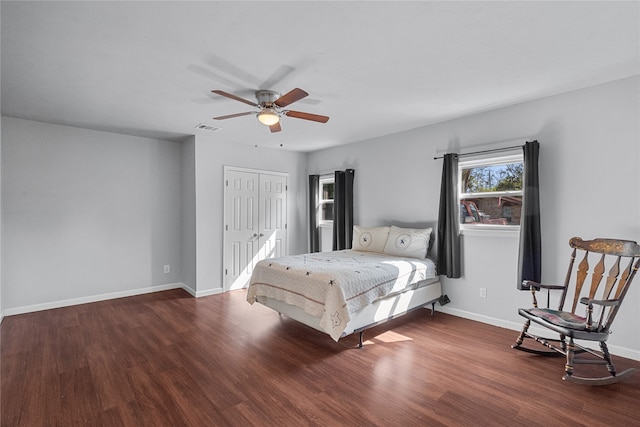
(226, 183)
(226, 228)
(226, 272)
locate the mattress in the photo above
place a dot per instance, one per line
(379, 311)
(333, 286)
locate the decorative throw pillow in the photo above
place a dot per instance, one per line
(408, 242)
(369, 239)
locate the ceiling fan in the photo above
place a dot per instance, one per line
(270, 106)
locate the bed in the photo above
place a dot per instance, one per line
(385, 275)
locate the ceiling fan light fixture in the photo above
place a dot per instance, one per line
(270, 107)
(268, 117)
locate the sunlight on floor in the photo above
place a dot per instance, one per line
(387, 337)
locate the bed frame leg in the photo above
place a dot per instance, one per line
(433, 308)
(361, 343)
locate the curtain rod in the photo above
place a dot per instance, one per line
(484, 151)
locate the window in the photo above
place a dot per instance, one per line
(326, 199)
(490, 192)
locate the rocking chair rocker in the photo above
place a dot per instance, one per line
(594, 326)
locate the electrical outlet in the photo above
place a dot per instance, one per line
(483, 292)
(167, 268)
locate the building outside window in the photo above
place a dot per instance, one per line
(490, 192)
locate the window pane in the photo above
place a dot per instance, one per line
(500, 210)
(483, 179)
(327, 191)
(326, 211)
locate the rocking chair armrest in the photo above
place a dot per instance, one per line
(603, 302)
(531, 284)
(535, 286)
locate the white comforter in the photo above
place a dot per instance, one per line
(332, 285)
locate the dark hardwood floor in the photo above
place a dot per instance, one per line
(167, 359)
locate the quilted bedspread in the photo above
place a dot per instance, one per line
(332, 285)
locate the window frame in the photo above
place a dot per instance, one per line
(488, 160)
(324, 179)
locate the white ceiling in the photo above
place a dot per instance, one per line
(376, 68)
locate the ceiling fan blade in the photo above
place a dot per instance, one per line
(275, 127)
(237, 98)
(277, 76)
(290, 97)
(229, 69)
(212, 75)
(307, 116)
(230, 116)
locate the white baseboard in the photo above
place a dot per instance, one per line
(200, 294)
(515, 326)
(189, 289)
(92, 298)
(208, 292)
(481, 318)
(103, 297)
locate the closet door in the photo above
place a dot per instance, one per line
(241, 232)
(273, 208)
(255, 222)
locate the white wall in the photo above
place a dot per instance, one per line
(589, 176)
(211, 155)
(86, 215)
(189, 203)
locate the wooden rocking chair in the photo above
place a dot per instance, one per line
(599, 312)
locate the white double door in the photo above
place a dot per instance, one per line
(255, 222)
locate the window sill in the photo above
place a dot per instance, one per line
(490, 231)
(326, 224)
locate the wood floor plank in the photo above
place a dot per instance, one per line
(39, 400)
(79, 401)
(169, 359)
(155, 403)
(109, 375)
(180, 386)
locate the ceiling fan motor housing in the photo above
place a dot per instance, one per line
(266, 98)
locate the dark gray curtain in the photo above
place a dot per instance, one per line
(530, 251)
(343, 209)
(448, 226)
(314, 200)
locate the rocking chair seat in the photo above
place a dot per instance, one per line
(563, 319)
(564, 323)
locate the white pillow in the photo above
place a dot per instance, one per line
(369, 239)
(408, 242)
